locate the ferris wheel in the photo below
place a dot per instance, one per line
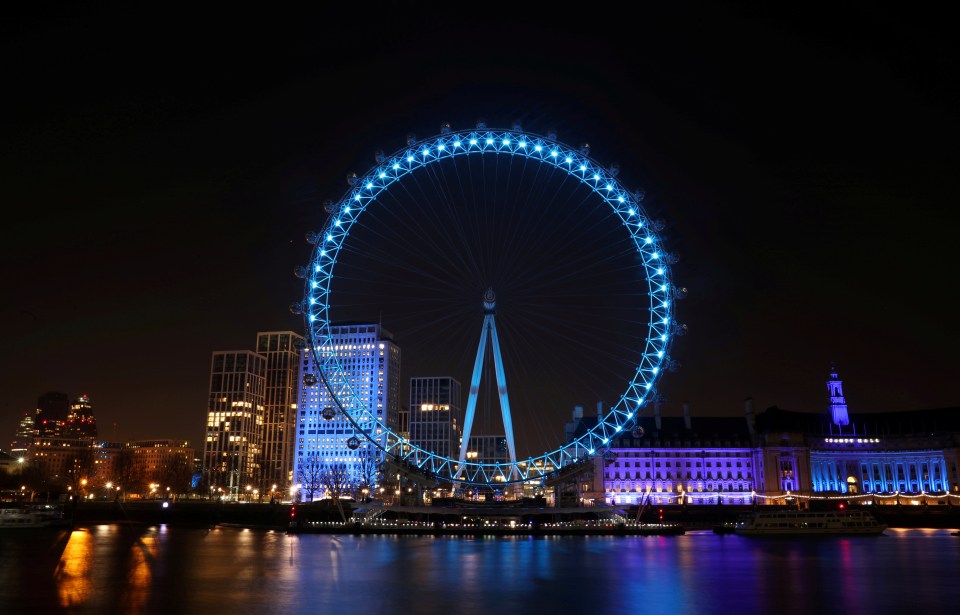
(428, 202)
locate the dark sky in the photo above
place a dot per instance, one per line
(160, 166)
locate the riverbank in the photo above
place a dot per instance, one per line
(203, 513)
(488, 529)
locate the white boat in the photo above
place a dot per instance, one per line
(810, 523)
(33, 517)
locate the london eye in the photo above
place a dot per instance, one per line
(525, 240)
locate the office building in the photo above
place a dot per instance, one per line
(24, 435)
(233, 445)
(488, 449)
(435, 414)
(165, 466)
(331, 454)
(80, 421)
(282, 352)
(52, 411)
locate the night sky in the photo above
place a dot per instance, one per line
(160, 167)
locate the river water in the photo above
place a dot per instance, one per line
(159, 569)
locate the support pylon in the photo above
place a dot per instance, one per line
(489, 329)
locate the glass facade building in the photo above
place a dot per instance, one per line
(233, 445)
(281, 349)
(435, 414)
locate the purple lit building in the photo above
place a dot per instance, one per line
(779, 456)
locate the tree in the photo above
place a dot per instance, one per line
(80, 468)
(127, 474)
(34, 477)
(309, 476)
(178, 474)
(368, 468)
(336, 482)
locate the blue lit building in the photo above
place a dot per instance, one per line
(371, 363)
(778, 455)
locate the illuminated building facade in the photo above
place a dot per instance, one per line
(705, 463)
(233, 445)
(371, 363)
(778, 456)
(435, 414)
(23, 438)
(902, 452)
(282, 352)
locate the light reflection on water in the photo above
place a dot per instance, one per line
(129, 570)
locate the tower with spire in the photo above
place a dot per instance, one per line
(838, 405)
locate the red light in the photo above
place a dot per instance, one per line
(842, 505)
(293, 512)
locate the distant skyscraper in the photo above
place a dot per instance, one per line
(282, 351)
(371, 362)
(838, 405)
(80, 420)
(26, 431)
(52, 411)
(235, 413)
(435, 414)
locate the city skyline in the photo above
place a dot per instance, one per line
(161, 193)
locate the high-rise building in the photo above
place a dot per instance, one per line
(435, 414)
(80, 421)
(282, 352)
(52, 411)
(328, 447)
(26, 432)
(233, 445)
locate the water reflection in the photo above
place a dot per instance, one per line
(74, 582)
(117, 569)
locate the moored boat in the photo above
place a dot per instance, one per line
(31, 517)
(810, 523)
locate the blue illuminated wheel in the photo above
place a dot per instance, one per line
(455, 173)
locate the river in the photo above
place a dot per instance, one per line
(183, 571)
